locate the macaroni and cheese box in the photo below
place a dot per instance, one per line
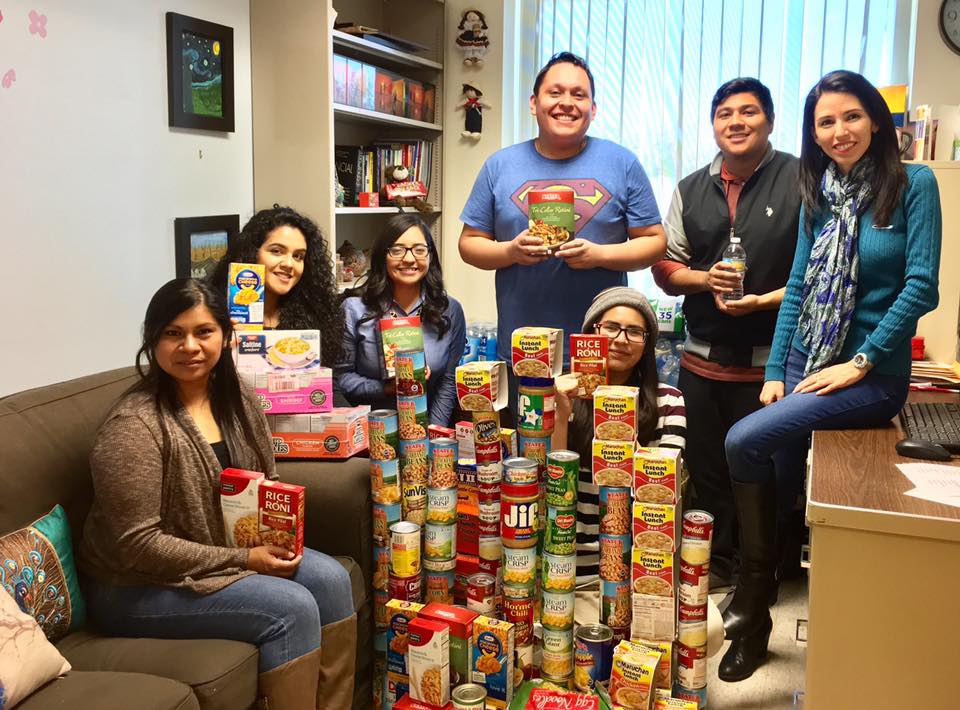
(493, 643)
(240, 503)
(428, 660)
(282, 507)
(399, 334)
(588, 362)
(337, 434)
(537, 352)
(245, 295)
(399, 615)
(656, 476)
(283, 368)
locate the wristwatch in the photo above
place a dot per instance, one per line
(861, 362)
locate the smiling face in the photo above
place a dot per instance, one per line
(624, 354)
(190, 346)
(563, 105)
(842, 128)
(282, 253)
(408, 269)
(740, 127)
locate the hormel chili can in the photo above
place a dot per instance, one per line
(407, 589)
(518, 514)
(694, 583)
(519, 612)
(691, 666)
(696, 537)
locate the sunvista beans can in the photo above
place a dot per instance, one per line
(615, 557)
(385, 481)
(383, 434)
(615, 608)
(469, 696)
(563, 470)
(414, 508)
(593, 653)
(534, 447)
(560, 533)
(520, 470)
(384, 516)
(414, 461)
(411, 372)
(443, 463)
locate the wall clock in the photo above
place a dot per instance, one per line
(950, 24)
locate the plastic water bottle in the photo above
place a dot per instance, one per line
(492, 342)
(482, 335)
(737, 257)
(471, 350)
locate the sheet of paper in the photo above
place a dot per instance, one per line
(945, 479)
(934, 497)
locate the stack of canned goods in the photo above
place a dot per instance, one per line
(697, 532)
(615, 545)
(488, 453)
(412, 421)
(440, 530)
(385, 491)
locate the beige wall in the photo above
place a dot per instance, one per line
(935, 67)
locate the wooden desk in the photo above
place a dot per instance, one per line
(884, 619)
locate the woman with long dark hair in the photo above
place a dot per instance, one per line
(154, 551)
(624, 315)
(404, 280)
(865, 271)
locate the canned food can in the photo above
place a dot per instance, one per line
(382, 424)
(696, 536)
(557, 658)
(414, 508)
(694, 584)
(615, 557)
(557, 610)
(561, 681)
(489, 512)
(520, 470)
(410, 367)
(536, 405)
(518, 514)
(412, 418)
(380, 617)
(534, 447)
(615, 513)
(487, 528)
(414, 461)
(593, 655)
(559, 573)
(691, 666)
(385, 481)
(620, 633)
(519, 565)
(404, 549)
(489, 493)
(490, 474)
(698, 695)
(443, 463)
(519, 612)
(384, 516)
(560, 532)
(439, 565)
(467, 472)
(692, 626)
(488, 453)
(381, 567)
(407, 589)
(490, 547)
(469, 696)
(616, 610)
(562, 474)
(486, 428)
(438, 586)
(439, 541)
(441, 505)
(481, 590)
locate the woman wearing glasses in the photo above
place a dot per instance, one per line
(625, 316)
(404, 280)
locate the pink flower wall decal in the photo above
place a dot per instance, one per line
(8, 79)
(38, 24)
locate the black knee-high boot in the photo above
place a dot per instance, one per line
(747, 620)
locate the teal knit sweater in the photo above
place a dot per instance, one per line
(899, 265)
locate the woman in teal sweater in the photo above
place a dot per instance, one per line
(864, 272)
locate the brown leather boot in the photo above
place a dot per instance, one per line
(292, 686)
(338, 649)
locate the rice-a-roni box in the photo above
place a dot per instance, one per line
(615, 412)
(537, 352)
(493, 643)
(656, 474)
(282, 509)
(240, 503)
(588, 361)
(337, 434)
(428, 660)
(283, 368)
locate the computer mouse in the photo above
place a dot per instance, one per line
(919, 449)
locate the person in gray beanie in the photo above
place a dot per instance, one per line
(625, 316)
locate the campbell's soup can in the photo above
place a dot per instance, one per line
(443, 463)
(691, 666)
(520, 470)
(490, 547)
(383, 434)
(481, 593)
(696, 536)
(407, 589)
(694, 586)
(519, 612)
(593, 655)
(488, 453)
(490, 473)
(518, 514)
(404, 549)
(692, 625)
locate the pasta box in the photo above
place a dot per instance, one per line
(399, 334)
(245, 284)
(240, 501)
(428, 660)
(282, 507)
(551, 215)
(337, 434)
(283, 368)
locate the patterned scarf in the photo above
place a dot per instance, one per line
(830, 283)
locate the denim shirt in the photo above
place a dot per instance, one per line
(360, 375)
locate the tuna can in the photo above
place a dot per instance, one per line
(519, 612)
(560, 533)
(407, 589)
(616, 610)
(443, 463)
(405, 549)
(520, 471)
(615, 512)
(536, 405)
(562, 474)
(691, 666)
(439, 541)
(557, 658)
(469, 696)
(481, 593)
(697, 534)
(559, 573)
(382, 425)
(615, 557)
(438, 586)
(694, 584)
(410, 367)
(593, 656)
(519, 565)
(441, 505)
(518, 514)
(557, 610)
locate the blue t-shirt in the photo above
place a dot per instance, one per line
(613, 194)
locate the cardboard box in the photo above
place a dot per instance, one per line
(655, 477)
(428, 658)
(245, 294)
(460, 623)
(240, 503)
(383, 91)
(283, 368)
(410, 703)
(368, 90)
(414, 100)
(464, 435)
(399, 334)
(337, 434)
(615, 412)
(482, 386)
(612, 463)
(588, 362)
(282, 508)
(354, 83)
(429, 103)
(399, 616)
(537, 352)
(656, 526)
(339, 79)
(493, 642)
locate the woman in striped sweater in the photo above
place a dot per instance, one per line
(625, 316)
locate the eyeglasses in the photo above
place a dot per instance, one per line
(420, 251)
(612, 330)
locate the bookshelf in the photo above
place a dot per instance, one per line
(297, 124)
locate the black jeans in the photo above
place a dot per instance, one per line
(712, 408)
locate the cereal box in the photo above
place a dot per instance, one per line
(245, 295)
(399, 334)
(552, 217)
(613, 463)
(537, 352)
(283, 368)
(631, 676)
(399, 616)
(615, 412)
(493, 642)
(655, 476)
(588, 362)
(428, 661)
(239, 501)
(663, 679)
(481, 386)
(460, 623)
(338, 434)
(282, 508)
(656, 526)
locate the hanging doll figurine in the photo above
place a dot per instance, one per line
(473, 106)
(473, 37)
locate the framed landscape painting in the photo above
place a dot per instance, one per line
(199, 74)
(201, 242)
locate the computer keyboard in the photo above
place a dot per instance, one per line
(938, 422)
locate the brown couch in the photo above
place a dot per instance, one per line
(46, 435)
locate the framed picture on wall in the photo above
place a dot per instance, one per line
(200, 243)
(199, 74)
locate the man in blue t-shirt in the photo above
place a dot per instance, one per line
(618, 224)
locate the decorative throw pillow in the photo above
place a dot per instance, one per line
(27, 659)
(37, 569)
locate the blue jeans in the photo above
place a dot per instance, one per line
(773, 441)
(282, 617)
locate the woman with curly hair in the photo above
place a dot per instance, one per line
(404, 280)
(300, 285)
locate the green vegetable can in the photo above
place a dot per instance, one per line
(560, 535)
(563, 469)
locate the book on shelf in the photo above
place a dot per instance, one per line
(369, 89)
(339, 79)
(347, 159)
(364, 168)
(354, 83)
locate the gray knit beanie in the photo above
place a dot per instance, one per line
(621, 296)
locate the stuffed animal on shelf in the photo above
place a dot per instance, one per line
(472, 39)
(473, 116)
(404, 192)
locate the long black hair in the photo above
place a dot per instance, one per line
(226, 397)
(378, 290)
(889, 177)
(313, 303)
